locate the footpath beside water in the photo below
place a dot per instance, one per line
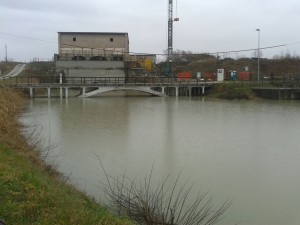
(32, 192)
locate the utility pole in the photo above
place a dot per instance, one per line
(5, 53)
(258, 54)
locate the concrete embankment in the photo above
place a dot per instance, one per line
(277, 92)
(235, 90)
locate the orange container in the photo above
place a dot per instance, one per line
(184, 76)
(209, 76)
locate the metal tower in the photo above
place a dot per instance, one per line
(170, 31)
(170, 37)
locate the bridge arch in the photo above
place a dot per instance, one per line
(101, 90)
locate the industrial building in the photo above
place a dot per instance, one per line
(99, 54)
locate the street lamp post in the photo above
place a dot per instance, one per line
(258, 54)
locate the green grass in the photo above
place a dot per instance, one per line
(229, 90)
(6, 67)
(29, 195)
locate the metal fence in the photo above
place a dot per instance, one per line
(104, 81)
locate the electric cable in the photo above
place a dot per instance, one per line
(159, 54)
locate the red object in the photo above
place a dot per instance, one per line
(244, 75)
(209, 76)
(184, 76)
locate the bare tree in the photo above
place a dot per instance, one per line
(257, 53)
(189, 56)
(160, 204)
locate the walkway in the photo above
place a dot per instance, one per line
(91, 86)
(15, 71)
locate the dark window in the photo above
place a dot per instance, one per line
(111, 40)
(74, 38)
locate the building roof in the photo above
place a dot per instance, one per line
(95, 33)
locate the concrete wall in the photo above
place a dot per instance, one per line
(91, 68)
(89, 64)
(94, 73)
(277, 93)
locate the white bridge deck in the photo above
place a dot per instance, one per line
(91, 86)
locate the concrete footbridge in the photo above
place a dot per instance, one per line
(92, 86)
(100, 90)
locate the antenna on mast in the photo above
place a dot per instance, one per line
(176, 14)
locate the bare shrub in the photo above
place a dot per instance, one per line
(150, 203)
(42, 145)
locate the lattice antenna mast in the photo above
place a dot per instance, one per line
(170, 31)
(170, 36)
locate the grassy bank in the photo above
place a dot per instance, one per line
(229, 90)
(32, 192)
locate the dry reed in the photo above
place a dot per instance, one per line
(10, 106)
(164, 203)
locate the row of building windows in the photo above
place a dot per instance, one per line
(97, 58)
(110, 39)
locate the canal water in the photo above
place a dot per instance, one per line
(246, 151)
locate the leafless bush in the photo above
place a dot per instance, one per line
(33, 132)
(39, 143)
(160, 204)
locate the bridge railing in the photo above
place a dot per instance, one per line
(103, 81)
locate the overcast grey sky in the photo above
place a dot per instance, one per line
(204, 26)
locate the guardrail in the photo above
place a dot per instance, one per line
(105, 81)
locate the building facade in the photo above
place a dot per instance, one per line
(89, 54)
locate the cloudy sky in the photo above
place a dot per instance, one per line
(29, 27)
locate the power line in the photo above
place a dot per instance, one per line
(161, 54)
(25, 37)
(248, 50)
